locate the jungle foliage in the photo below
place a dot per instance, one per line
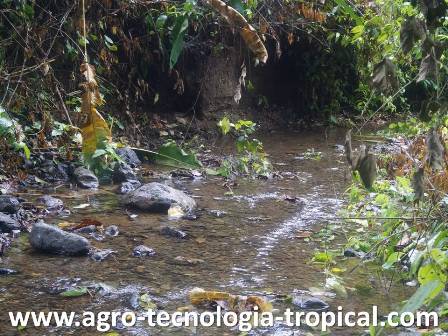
(395, 50)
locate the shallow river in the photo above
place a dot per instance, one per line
(250, 244)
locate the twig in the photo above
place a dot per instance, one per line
(64, 107)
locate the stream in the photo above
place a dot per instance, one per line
(250, 244)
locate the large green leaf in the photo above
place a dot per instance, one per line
(392, 259)
(425, 292)
(170, 154)
(347, 8)
(178, 39)
(430, 272)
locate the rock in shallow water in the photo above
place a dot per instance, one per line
(7, 271)
(158, 197)
(112, 231)
(143, 251)
(51, 239)
(122, 173)
(85, 178)
(128, 186)
(173, 232)
(9, 204)
(129, 156)
(309, 303)
(50, 202)
(7, 223)
(183, 261)
(100, 255)
(350, 253)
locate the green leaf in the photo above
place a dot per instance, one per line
(160, 22)
(170, 154)
(225, 125)
(323, 257)
(98, 153)
(178, 39)
(24, 147)
(392, 259)
(440, 257)
(146, 302)
(430, 272)
(80, 291)
(348, 9)
(425, 292)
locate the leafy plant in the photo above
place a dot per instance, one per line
(251, 158)
(11, 133)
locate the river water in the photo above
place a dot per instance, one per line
(251, 243)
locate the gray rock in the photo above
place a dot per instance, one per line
(97, 236)
(129, 156)
(350, 253)
(7, 223)
(143, 251)
(9, 204)
(127, 187)
(7, 271)
(309, 303)
(50, 202)
(100, 255)
(173, 232)
(123, 172)
(158, 197)
(51, 239)
(85, 178)
(112, 231)
(183, 261)
(86, 229)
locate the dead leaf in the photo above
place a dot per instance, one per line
(94, 129)
(228, 301)
(247, 32)
(385, 76)
(304, 234)
(411, 31)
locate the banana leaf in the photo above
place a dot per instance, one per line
(169, 154)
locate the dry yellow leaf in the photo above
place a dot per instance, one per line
(247, 32)
(94, 129)
(234, 302)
